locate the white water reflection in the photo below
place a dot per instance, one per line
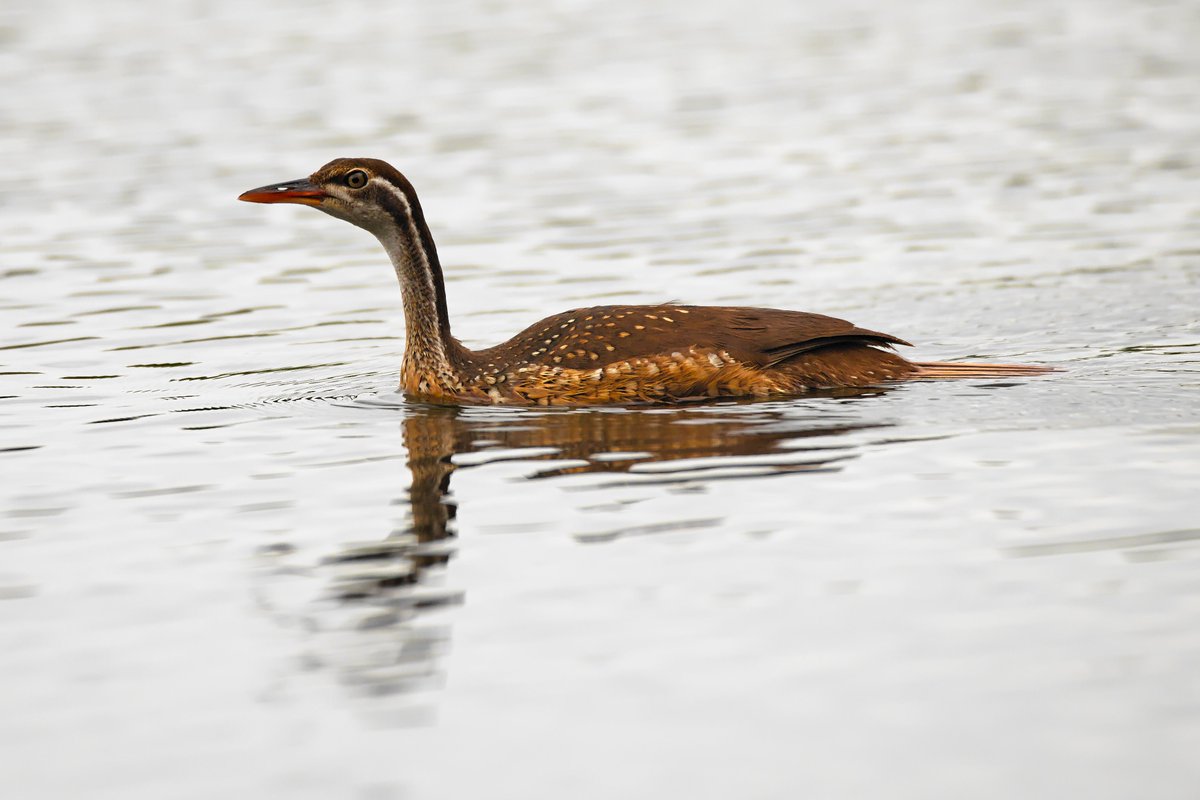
(224, 542)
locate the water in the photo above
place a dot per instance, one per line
(233, 563)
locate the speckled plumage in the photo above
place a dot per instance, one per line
(632, 354)
(605, 354)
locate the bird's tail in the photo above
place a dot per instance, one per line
(936, 370)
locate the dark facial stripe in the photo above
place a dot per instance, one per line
(399, 200)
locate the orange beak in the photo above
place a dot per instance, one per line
(298, 191)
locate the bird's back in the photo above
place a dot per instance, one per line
(666, 352)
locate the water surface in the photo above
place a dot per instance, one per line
(234, 563)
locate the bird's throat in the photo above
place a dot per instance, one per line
(429, 349)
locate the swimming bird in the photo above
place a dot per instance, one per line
(613, 354)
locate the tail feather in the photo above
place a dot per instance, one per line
(933, 370)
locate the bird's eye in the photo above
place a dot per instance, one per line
(356, 179)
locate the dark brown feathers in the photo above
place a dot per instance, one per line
(762, 337)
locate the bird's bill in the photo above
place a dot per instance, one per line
(299, 191)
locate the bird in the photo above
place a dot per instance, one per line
(603, 355)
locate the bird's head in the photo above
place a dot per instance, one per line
(366, 192)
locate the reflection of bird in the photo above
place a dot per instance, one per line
(675, 444)
(605, 354)
(382, 637)
(680, 445)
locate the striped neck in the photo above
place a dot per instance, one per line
(429, 349)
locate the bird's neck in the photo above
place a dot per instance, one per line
(431, 354)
